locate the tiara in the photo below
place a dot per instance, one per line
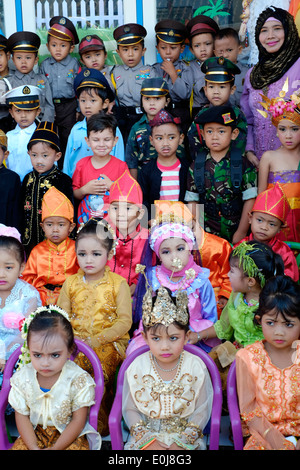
(101, 224)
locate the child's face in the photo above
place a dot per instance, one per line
(272, 36)
(131, 55)
(153, 104)
(24, 117)
(166, 344)
(227, 47)
(218, 93)
(280, 332)
(125, 216)
(10, 270)
(168, 51)
(57, 229)
(101, 142)
(94, 59)
(3, 155)
(91, 103)
(24, 61)
(218, 137)
(48, 356)
(264, 226)
(59, 49)
(166, 139)
(202, 46)
(42, 157)
(4, 58)
(289, 134)
(174, 249)
(238, 280)
(92, 257)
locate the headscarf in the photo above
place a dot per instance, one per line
(272, 66)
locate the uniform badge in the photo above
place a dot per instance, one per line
(26, 90)
(227, 118)
(62, 20)
(86, 73)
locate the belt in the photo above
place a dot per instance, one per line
(63, 100)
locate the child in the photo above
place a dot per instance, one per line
(125, 213)
(268, 371)
(170, 38)
(17, 298)
(168, 410)
(24, 108)
(94, 95)
(221, 177)
(44, 151)
(93, 55)
(267, 218)
(283, 165)
(128, 77)
(10, 189)
(99, 304)
(227, 44)
(24, 47)
(165, 176)
(51, 395)
(172, 241)
(53, 259)
(219, 87)
(201, 33)
(6, 123)
(94, 175)
(154, 97)
(60, 70)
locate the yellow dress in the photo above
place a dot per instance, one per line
(101, 315)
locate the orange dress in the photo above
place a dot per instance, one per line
(268, 398)
(48, 266)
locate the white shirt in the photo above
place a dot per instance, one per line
(18, 159)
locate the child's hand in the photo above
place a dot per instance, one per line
(106, 182)
(95, 187)
(252, 158)
(169, 68)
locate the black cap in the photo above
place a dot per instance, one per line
(23, 41)
(171, 31)
(219, 69)
(154, 87)
(62, 28)
(224, 115)
(46, 132)
(129, 34)
(201, 24)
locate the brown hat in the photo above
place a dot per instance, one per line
(23, 41)
(201, 24)
(129, 34)
(62, 28)
(92, 42)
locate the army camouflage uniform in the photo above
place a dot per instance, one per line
(222, 206)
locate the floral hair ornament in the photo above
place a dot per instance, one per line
(24, 357)
(279, 108)
(7, 231)
(100, 228)
(243, 251)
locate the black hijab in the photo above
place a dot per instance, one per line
(272, 66)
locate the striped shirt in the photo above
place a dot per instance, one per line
(169, 188)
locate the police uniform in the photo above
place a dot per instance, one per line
(60, 75)
(218, 70)
(6, 121)
(174, 32)
(127, 81)
(23, 97)
(25, 41)
(200, 24)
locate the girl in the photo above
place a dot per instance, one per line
(17, 298)
(283, 165)
(50, 394)
(167, 395)
(99, 305)
(172, 243)
(278, 42)
(268, 376)
(251, 264)
(154, 97)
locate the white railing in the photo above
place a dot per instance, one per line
(104, 16)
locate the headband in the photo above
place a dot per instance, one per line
(162, 232)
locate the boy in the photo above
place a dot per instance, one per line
(127, 78)
(60, 70)
(94, 175)
(227, 44)
(164, 177)
(125, 213)
(170, 39)
(266, 218)
(24, 47)
(221, 178)
(93, 55)
(10, 188)
(24, 108)
(201, 33)
(94, 95)
(219, 87)
(44, 152)
(6, 123)
(53, 259)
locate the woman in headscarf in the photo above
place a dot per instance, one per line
(278, 42)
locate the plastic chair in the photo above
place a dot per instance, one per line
(115, 417)
(8, 371)
(234, 410)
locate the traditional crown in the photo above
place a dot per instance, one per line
(163, 309)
